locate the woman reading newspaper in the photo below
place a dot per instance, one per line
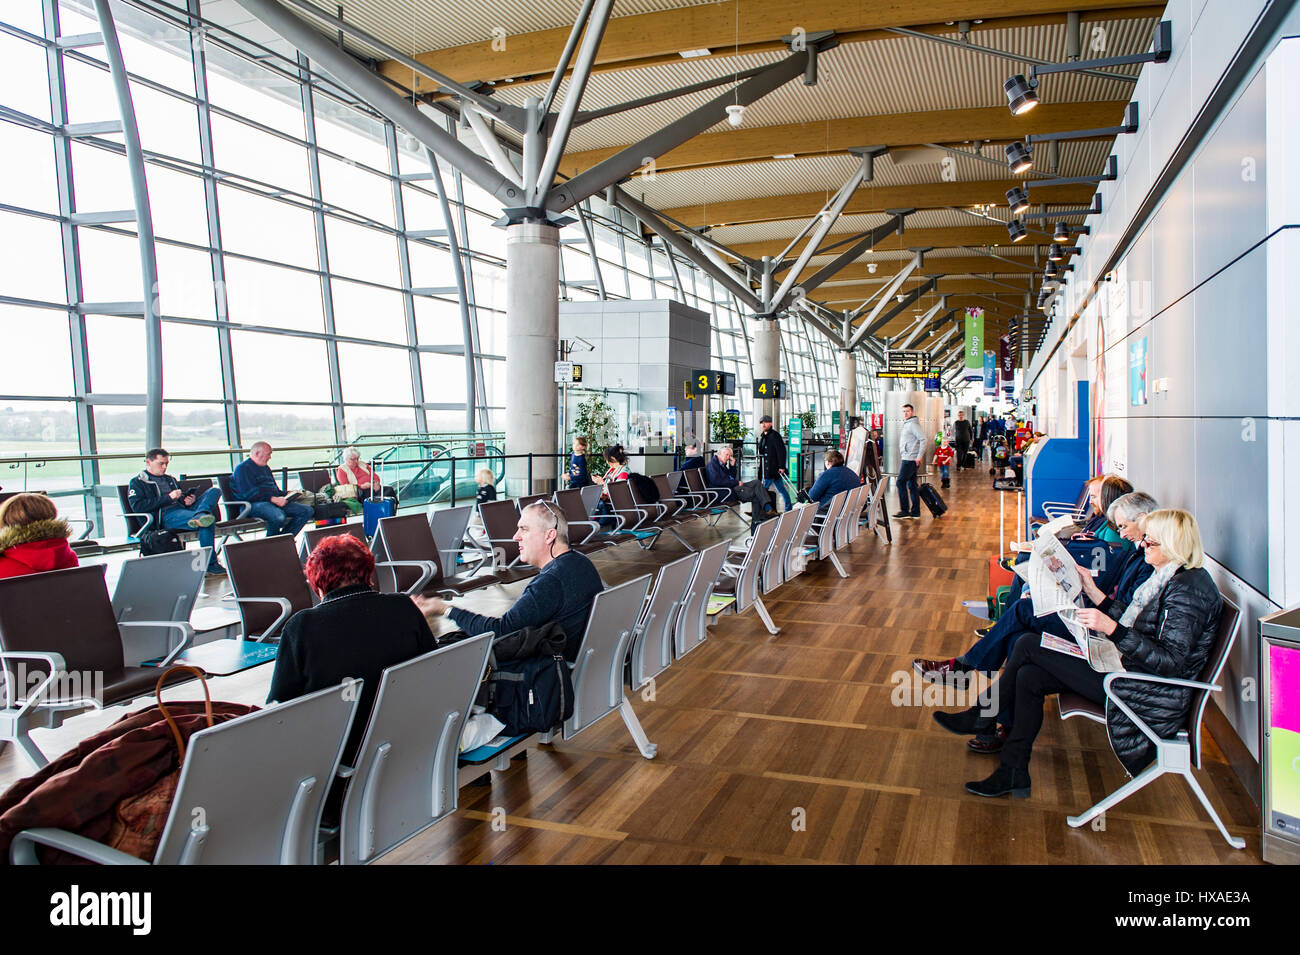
(1166, 629)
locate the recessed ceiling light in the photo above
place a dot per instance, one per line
(784, 156)
(691, 54)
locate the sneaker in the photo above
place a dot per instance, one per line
(202, 520)
(216, 570)
(942, 671)
(900, 515)
(1004, 781)
(982, 632)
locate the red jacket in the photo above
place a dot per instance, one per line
(943, 455)
(34, 548)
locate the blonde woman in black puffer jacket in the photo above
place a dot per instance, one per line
(1167, 629)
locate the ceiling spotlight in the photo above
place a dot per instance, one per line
(735, 114)
(1018, 200)
(1021, 97)
(901, 298)
(871, 267)
(1062, 233)
(1018, 158)
(1017, 230)
(1055, 254)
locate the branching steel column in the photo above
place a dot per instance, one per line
(458, 269)
(153, 363)
(852, 252)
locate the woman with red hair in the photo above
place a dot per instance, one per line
(354, 632)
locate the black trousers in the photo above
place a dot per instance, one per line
(1030, 676)
(962, 448)
(755, 492)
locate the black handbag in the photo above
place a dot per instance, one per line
(161, 541)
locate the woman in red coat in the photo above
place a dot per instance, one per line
(32, 538)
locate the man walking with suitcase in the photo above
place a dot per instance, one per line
(961, 438)
(771, 459)
(911, 451)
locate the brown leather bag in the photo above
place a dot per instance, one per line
(117, 786)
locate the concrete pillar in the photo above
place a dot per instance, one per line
(532, 340)
(765, 359)
(848, 385)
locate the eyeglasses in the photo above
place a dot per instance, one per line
(1149, 542)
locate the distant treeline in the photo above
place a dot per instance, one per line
(47, 425)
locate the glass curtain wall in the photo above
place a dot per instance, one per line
(306, 293)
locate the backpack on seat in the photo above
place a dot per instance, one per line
(528, 686)
(161, 541)
(645, 489)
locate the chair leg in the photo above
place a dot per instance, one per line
(1119, 795)
(1234, 841)
(681, 540)
(29, 749)
(647, 749)
(835, 561)
(766, 617)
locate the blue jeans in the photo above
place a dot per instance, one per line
(178, 517)
(907, 484)
(779, 484)
(993, 649)
(943, 472)
(289, 519)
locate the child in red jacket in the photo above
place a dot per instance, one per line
(943, 456)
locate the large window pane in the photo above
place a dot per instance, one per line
(261, 294)
(374, 374)
(362, 421)
(266, 228)
(279, 368)
(191, 361)
(243, 87)
(188, 426)
(116, 347)
(32, 252)
(23, 82)
(28, 180)
(110, 266)
(363, 311)
(361, 253)
(260, 156)
(431, 267)
(438, 321)
(177, 205)
(42, 332)
(288, 424)
(167, 125)
(351, 188)
(343, 130)
(443, 376)
(185, 287)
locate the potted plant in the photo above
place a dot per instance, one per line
(725, 427)
(594, 420)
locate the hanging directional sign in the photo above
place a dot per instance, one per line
(705, 382)
(905, 363)
(769, 388)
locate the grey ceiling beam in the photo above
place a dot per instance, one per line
(851, 254)
(812, 318)
(630, 158)
(886, 293)
(1003, 54)
(586, 116)
(491, 145)
(647, 217)
(883, 320)
(376, 91)
(570, 45)
(513, 116)
(924, 321)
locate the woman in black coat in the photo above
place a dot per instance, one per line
(1167, 629)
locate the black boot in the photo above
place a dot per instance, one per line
(967, 722)
(1003, 781)
(945, 484)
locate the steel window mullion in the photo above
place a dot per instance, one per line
(322, 251)
(471, 303)
(198, 56)
(86, 438)
(404, 271)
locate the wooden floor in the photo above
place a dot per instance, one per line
(790, 748)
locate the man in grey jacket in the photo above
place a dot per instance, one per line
(911, 451)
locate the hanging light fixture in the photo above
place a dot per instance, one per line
(1021, 97)
(1016, 229)
(1019, 158)
(1062, 233)
(1018, 200)
(1055, 254)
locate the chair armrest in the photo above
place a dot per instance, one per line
(147, 518)
(595, 529)
(1124, 708)
(286, 610)
(244, 508)
(90, 526)
(644, 515)
(427, 569)
(22, 851)
(51, 659)
(183, 627)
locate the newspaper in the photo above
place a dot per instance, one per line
(1053, 577)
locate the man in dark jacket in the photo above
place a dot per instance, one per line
(692, 458)
(961, 439)
(253, 481)
(155, 492)
(771, 458)
(720, 474)
(832, 481)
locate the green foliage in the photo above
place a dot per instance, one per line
(726, 427)
(594, 421)
(809, 419)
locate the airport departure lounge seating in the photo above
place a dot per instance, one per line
(406, 560)
(740, 577)
(267, 584)
(692, 627)
(652, 649)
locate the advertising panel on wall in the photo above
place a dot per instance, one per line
(1108, 315)
(974, 345)
(1137, 372)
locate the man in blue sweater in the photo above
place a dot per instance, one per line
(253, 481)
(834, 479)
(563, 592)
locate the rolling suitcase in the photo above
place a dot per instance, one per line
(932, 500)
(372, 511)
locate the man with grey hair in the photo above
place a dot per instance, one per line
(1118, 572)
(253, 481)
(563, 592)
